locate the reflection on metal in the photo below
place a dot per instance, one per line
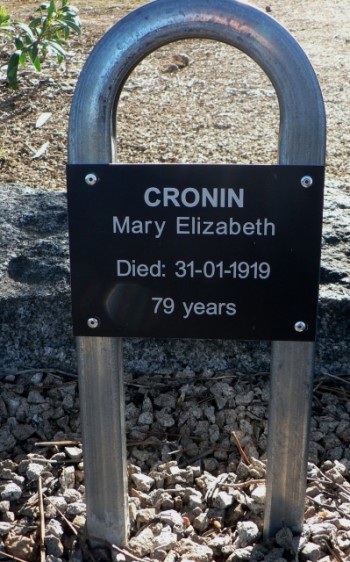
(288, 431)
(102, 413)
(92, 133)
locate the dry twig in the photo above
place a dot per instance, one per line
(243, 484)
(240, 448)
(70, 443)
(336, 554)
(42, 521)
(220, 480)
(33, 371)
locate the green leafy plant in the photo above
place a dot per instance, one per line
(45, 35)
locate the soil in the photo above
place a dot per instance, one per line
(216, 107)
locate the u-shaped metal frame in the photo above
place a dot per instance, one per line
(302, 139)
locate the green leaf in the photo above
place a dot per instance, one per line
(43, 6)
(22, 59)
(27, 30)
(4, 16)
(61, 28)
(56, 47)
(66, 33)
(12, 70)
(33, 55)
(66, 8)
(33, 52)
(5, 27)
(51, 9)
(35, 22)
(74, 25)
(36, 63)
(19, 44)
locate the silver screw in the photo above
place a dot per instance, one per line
(300, 326)
(93, 323)
(91, 179)
(306, 181)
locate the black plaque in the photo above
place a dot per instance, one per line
(195, 251)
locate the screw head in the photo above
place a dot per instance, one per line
(300, 326)
(93, 323)
(91, 179)
(306, 181)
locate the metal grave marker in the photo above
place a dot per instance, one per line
(118, 262)
(157, 249)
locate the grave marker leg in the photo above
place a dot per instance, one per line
(101, 392)
(288, 431)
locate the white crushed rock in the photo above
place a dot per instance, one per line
(246, 533)
(142, 482)
(11, 492)
(192, 496)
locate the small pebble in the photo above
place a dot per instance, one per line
(34, 470)
(4, 528)
(142, 482)
(11, 492)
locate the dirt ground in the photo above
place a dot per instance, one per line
(219, 107)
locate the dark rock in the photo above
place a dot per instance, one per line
(35, 316)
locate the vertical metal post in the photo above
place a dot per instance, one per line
(91, 140)
(292, 363)
(288, 435)
(102, 415)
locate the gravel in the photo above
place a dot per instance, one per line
(192, 496)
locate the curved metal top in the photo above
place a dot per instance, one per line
(302, 116)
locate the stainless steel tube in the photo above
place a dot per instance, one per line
(92, 132)
(101, 392)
